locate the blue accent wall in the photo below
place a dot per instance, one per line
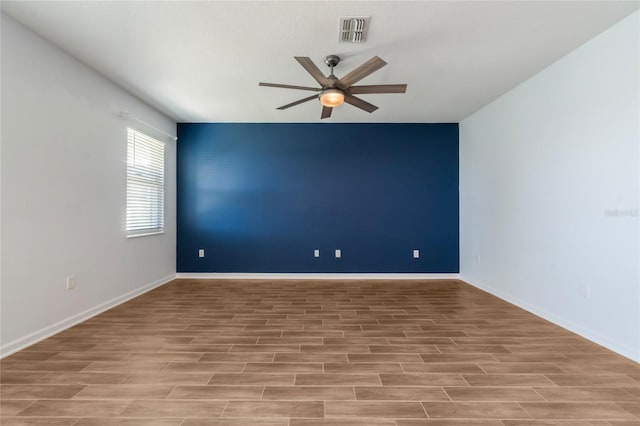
(261, 197)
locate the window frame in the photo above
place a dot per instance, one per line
(149, 176)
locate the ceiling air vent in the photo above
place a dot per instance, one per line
(354, 29)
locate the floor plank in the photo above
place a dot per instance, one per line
(318, 353)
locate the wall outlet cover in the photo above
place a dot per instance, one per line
(71, 282)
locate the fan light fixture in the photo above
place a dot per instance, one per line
(332, 97)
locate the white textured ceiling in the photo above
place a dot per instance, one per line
(202, 61)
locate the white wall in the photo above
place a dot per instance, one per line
(63, 192)
(549, 184)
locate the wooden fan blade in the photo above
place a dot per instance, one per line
(288, 86)
(379, 88)
(360, 103)
(298, 102)
(326, 112)
(312, 69)
(361, 72)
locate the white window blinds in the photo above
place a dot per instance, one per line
(145, 184)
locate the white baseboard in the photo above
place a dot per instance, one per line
(52, 329)
(624, 350)
(316, 276)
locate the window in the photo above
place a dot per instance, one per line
(145, 184)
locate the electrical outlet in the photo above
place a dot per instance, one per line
(338, 253)
(416, 254)
(201, 253)
(316, 253)
(71, 282)
(587, 291)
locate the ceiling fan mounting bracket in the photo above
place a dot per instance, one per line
(332, 60)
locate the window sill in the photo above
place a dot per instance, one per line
(146, 234)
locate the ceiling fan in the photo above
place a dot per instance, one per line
(333, 91)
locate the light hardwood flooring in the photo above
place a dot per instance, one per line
(318, 353)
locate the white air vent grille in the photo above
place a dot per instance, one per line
(354, 29)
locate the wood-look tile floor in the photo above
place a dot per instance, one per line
(318, 353)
